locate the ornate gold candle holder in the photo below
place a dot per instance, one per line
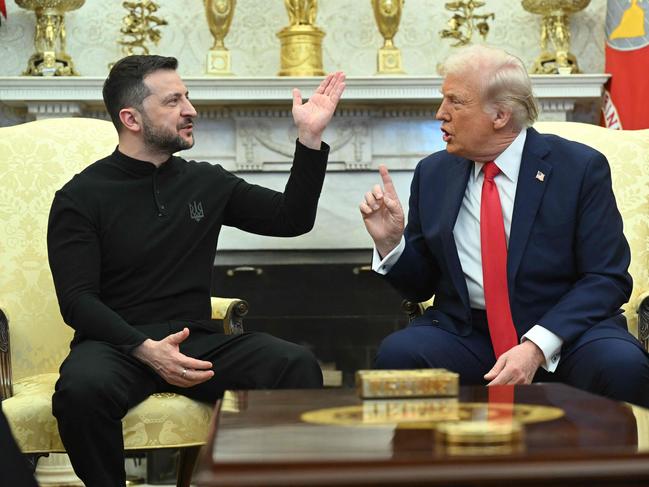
(555, 30)
(50, 58)
(301, 41)
(388, 15)
(219, 15)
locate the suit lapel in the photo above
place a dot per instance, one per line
(533, 178)
(455, 186)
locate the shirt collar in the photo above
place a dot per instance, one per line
(509, 161)
(137, 166)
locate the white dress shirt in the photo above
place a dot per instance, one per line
(467, 239)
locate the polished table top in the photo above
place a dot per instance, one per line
(331, 437)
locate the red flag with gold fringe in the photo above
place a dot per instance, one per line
(627, 61)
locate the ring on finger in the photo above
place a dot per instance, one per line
(184, 373)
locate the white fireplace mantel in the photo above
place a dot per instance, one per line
(552, 91)
(245, 125)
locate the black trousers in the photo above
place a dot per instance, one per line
(14, 468)
(99, 384)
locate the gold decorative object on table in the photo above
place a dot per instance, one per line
(479, 437)
(50, 58)
(406, 383)
(464, 22)
(555, 54)
(301, 40)
(428, 413)
(388, 15)
(140, 26)
(219, 18)
(381, 411)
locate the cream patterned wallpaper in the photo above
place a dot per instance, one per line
(350, 44)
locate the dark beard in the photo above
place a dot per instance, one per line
(164, 142)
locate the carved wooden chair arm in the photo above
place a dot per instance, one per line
(6, 380)
(413, 309)
(231, 311)
(643, 319)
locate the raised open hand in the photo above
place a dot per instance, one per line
(165, 358)
(313, 116)
(383, 215)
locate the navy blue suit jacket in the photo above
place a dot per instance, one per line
(567, 260)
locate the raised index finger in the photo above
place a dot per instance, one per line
(388, 185)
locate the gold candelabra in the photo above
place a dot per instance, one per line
(139, 26)
(301, 40)
(555, 54)
(50, 58)
(464, 22)
(387, 14)
(219, 15)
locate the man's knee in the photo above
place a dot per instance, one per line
(397, 351)
(294, 366)
(626, 374)
(307, 369)
(619, 370)
(79, 395)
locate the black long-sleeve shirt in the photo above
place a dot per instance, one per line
(130, 244)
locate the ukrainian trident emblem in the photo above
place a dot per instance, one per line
(196, 211)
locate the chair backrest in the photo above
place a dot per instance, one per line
(627, 152)
(36, 159)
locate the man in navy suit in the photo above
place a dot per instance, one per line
(518, 237)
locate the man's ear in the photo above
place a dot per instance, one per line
(131, 119)
(502, 117)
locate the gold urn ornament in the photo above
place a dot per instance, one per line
(555, 57)
(50, 58)
(219, 15)
(387, 14)
(301, 40)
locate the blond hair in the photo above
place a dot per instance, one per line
(504, 82)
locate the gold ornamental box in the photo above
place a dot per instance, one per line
(372, 384)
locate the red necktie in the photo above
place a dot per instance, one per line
(494, 265)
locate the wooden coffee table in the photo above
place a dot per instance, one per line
(574, 438)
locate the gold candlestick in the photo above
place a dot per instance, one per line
(555, 30)
(387, 14)
(301, 40)
(219, 18)
(50, 58)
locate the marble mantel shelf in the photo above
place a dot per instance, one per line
(20, 91)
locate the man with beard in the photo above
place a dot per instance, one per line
(131, 243)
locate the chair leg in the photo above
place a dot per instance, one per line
(186, 463)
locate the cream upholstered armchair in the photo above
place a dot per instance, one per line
(628, 154)
(36, 159)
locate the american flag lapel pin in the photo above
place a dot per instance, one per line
(540, 176)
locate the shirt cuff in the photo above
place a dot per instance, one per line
(549, 343)
(383, 266)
